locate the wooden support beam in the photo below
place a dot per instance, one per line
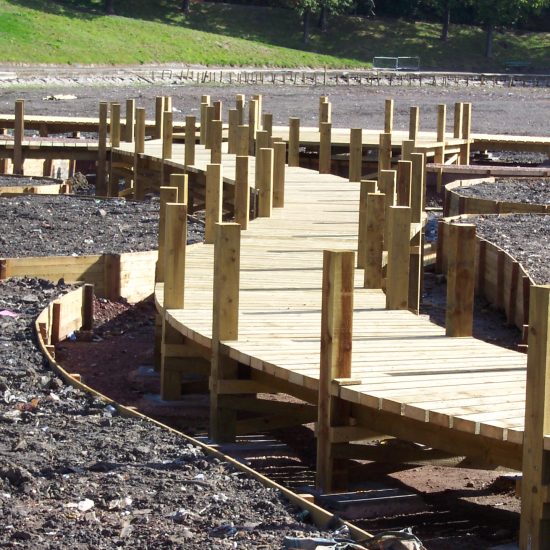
(18, 135)
(279, 160)
(355, 154)
(114, 125)
(190, 137)
(293, 142)
(130, 118)
(225, 325)
(101, 172)
(404, 179)
(460, 244)
(376, 215)
(242, 192)
(214, 198)
(367, 187)
(181, 183)
(335, 362)
(216, 130)
(384, 152)
(265, 187)
(159, 109)
(175, 241)
(88, 307)
(325, 148)
(397, 280)
(167, 195)
(535, 487)
(242, 140)
(232, 132)
(388, 116)
(414, 123)
(418, 197)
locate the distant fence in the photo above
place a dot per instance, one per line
(397, 63)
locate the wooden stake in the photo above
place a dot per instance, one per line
(466, 131)
(175, 242)
(388, 116)
(326, 114)
(214, 196)
(101, 176)
(294, 142)
(375, 239)
(239, 105)
(252, 124)
(218, 110)
(279, 160)
(215, 131)
(355, 154)
(387, 185)
(457, 131)
(167, 135)
(210, 115)
(56, 336)
(115, 124)
(130, 118)
(159, 109)
(232, 136)
(407, 148)
(322, 111)
(397, 280)
(535, 497)
(336, 352)
(262, 142)
(265, 189)
(267, 124)
(180, 182)
(418, 194)
(404, 177)
(18, 135)
(384, 152)
(325, 148)
(88, 307)
(167, 195)
(242, 192)
(139, 148)
(367, 187)
(204, 124)
(414, 122)
(225, 325)
(460, 244)
(441, 129)
(190, 137)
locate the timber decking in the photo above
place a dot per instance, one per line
(407, 370)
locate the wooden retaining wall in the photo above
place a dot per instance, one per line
(56, 187)
(456, 204)
(501, 279)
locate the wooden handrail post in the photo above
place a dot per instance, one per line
(239, 106)
(225, 326)
(457, 129)
(159, 109)
(252, 124)
(101, 176)
(414, 122)
(384, 152)
(232, 132)
(397, 279)
(18, 135)
(441, 130)
(129, 121)
(242, 192)
(218, 110)
(175, 241)
(88, 307)
(210, 116)
(466, 131)
(259, 110)
(367, 187)
(325, 148)
(215, 131)
(265, 188)
(267, 124)
(167, 195)
(323, 111)
(180, 182)
(214, 197)
(404, 178)
(388, 116)
(139, 149)
(535, 497)
(262, 142)
(407, 148)
(461, 247)
(418, 194)
(242, 140)
(190, 139)
(387, 185)
(167, 135)
(294, 142)
(279, 160)
(355, 154)
(325, 114)
(114, 125)
(203, 123)
(376, 215)
(335, 361)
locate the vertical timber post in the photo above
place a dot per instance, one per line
(214, 196)
(355, 154)
(397, 279)
(414, 122)
(418, 191)
(139, 149)
(190, 137)
(18, 134)
(167, 195)
(101, 177)
(384, 152)
(242, 192)
(129, 120)
(367, 187)
(279, 161)
(265, 187)
(294, 142)
(325, 148)
(388, 116)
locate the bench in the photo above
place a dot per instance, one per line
(516, 65)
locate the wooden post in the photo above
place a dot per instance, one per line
(375, 238)
(265, 188)
(175, 241)
(56, 323)
(267, 124)
(242, 140)
(167, 135)
(387, 185)
(210, 114)
(18, 135)
(242, 192)
(388, 116)
(397, 279)
(167, 195)
(418, 193)
(335, 361)
(279, 160)
(115, 125)
(181, 183)
(130, 118)
(225, 325)
(322, 110)
(355, 154)
(101, 176)
(88, 307)
(460, 243)
(259, 110)
(441, 129)
(294, 142)
(466, 131)
(139, 148)
(4, 161)
(535, 497)
(190, 137)
(404, 178)
(218, 110)
(325, 114)
(204, 124)
(325, 148)
(214, 196)
(407, 148)
(384, 152)
(232, 136)
(159, 109)
(252, 124)
(215, 132)
(262, 142)
(414, 122)
(239, 105)
(367, 187)
(457, 130)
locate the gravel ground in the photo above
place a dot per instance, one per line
(60, 225)
(17, 181)
(74, 474)
(526, 190)
(523, 236)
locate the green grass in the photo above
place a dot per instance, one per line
(76, 31)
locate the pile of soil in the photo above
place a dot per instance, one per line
(61, 225)
(20, 181)
(523, 236)
(74, 474)
(524, 190)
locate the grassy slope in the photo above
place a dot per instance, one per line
(76, 31)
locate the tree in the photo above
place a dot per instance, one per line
(109, 7)
(185, 7)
